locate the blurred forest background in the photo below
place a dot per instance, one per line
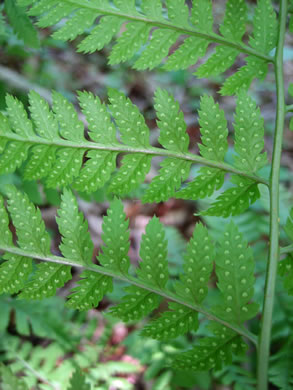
(44, 341)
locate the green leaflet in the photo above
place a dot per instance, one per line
(76, 241)
(235, 272)
(131, 123)
(5, 233)
(152, 8)
(158, 48)
(178, 12)
(90, 291)
(101, 128)
(115, 235)
(71, 127)
(235, 200)
(80, 21)
(14, 272)
(45, 281)
(205, 184)
(28, 222)
(44, 120)
(173, 135)
(249, 135)
(131, 174)
(101, 35)
(135, 36)
(212, 352)
(213, 130)
(96, 171)
(8, 381)
(172, 173)
(136, 304)
(242, 79)
(54, 15)
(234, 24)
(265, 26)
(153, 251)
(78, 381)
(171, 324)
(198, 265)
(18, 119)
(202, 15)
(187, 54)
(153, 268)
(286, 271)
(21, 24)
(221, 60)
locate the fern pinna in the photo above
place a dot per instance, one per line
(53, 145)
(157, 28)
(233, 260)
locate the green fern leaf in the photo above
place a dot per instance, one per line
(172, 173)
(198, 265)
(285, 269)
(242, 79)
(55, 15)
(78, 381)
(45, 281)
(101, 35)
(153, 252)
(5, 233)
(131, 123)
(249, 135)
(158, 48)
(205, 184)
(236, 199)
(234, 24)
(9, 381)
(136, 304)
(265, 24)
(18, 118)
(214, 147)
(96, 171)
(14, 273)
(202, 15)
(131, 174)
(90, 291)
(221, 60)
(76, 241)
(115, 235)
(131, 40)
(171, 324)
(173, 135)
(21, 24)
(81, 21)
(234, 269)
(153, 269)
(44, 120)
(101, 129)
(213, 130)
(30, 228)
(212, 352)
(178, 11)
(152, 8)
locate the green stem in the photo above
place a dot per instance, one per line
(266, 326)
(241, 47)
(119, 148)
(134, 281)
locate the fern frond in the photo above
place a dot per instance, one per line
(10, 381)
(151, 30)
